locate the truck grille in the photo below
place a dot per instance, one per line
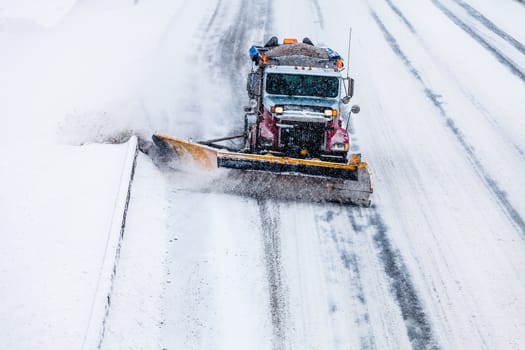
(302, 135)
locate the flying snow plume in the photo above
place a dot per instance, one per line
(74, 82)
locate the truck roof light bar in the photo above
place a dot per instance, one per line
(289, 41)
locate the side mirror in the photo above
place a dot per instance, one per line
(350, 92)
(250, 84)
(253, 85)
(351, 87)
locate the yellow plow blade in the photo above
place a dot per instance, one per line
(279, 177)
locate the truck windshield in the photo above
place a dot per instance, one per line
(302, 85)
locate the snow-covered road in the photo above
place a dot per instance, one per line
(438, 261)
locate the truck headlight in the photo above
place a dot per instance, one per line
(330, 112)
(340, 147)
(277, 109)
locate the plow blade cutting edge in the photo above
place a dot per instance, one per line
(278, 177)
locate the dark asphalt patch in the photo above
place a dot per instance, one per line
(495, 52)
(417, 324)
(272, 254)
(348, 257)
(491, 25)
(398, 12)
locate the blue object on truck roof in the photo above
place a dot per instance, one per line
(253, 52)
(332, 55)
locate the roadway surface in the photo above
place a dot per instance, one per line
(438, 261)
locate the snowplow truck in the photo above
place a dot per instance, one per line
(293, 128)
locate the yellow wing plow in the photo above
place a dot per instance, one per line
(266, 175)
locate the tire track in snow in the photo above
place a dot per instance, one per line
(473, 100)
(517, 71)
(318, 13)
(491, 25)
(515, 217)
(272, 253)
(213, 16)
(400, 14)
(419, 329)
(268, 22)
(221, 53)
(233, 42)
(346, 253)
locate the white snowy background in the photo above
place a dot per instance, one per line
(438, 261)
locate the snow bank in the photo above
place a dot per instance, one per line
(58, 207)
(135, 316)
